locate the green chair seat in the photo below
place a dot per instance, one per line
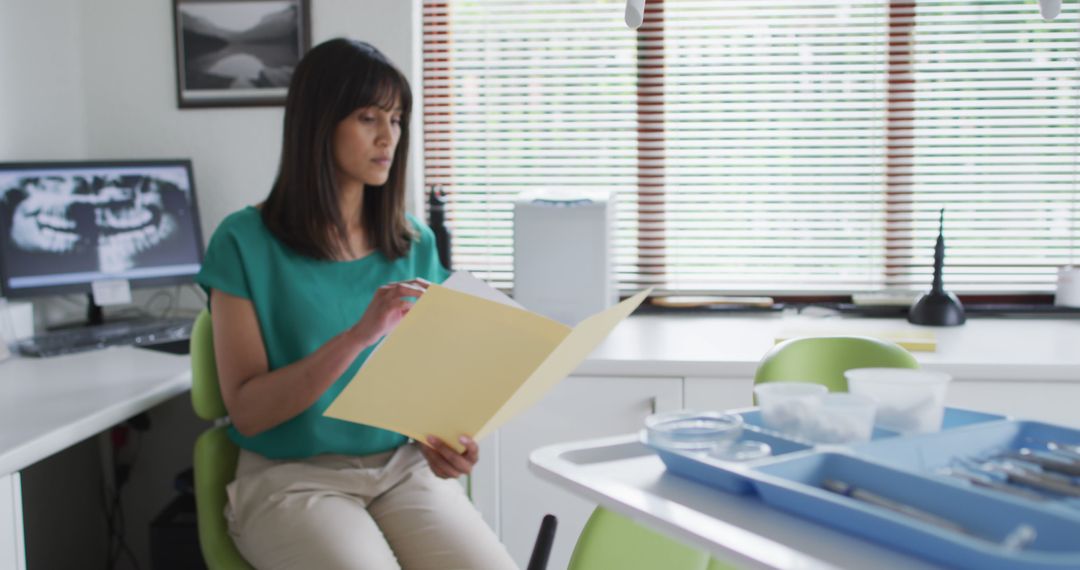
(612, 541)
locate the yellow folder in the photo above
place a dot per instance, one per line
(461, 364)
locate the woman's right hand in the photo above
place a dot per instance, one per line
(387, 308)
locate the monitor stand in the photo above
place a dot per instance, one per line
(95, 316)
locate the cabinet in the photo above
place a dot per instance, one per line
(580, 407)
(717, 394)
(1051, 402)
(12, 554)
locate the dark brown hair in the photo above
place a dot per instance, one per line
(333, 80)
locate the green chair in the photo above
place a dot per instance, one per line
(715, 564)
(612, 541)
(215, 454)
(823, 360)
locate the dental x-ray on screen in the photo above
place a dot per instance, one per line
(63, 226)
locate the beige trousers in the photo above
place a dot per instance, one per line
(383, 511)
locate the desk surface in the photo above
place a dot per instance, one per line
(624, 476)
(48, 404)
(726, 346)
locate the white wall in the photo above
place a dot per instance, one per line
(130, 88)
(393, 26)
(42, 115)
(128, 61)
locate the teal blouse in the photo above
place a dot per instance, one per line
(301, 303)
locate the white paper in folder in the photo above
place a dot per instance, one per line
(563, 258)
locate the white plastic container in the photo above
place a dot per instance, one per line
(909, 401)
(564, 256)
(842, 418)
(1068, 287)
(788, 407)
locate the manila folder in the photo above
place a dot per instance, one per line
(459, 364)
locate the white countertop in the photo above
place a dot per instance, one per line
(724, 346)
(51, 403)
(48, 404)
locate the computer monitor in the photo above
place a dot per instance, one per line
(65, 225)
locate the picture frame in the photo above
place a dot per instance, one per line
(236, 53)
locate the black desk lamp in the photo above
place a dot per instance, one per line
(938, 308)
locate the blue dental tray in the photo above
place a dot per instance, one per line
(933, 451)
(930, 454)
(906, 469)
(794, 485)
(732, 477)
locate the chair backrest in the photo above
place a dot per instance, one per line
(823, 360)
(610, 540)
(205, 390)
(215, 454)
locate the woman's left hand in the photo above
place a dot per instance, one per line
(446, 462)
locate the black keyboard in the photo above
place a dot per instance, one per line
(141, 332)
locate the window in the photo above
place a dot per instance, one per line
(796, 147)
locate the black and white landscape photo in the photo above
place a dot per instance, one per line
(238, 52)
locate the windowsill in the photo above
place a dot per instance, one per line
(697, 344)
(972, 310)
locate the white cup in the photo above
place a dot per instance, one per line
(1068, 287)
(788, 406)
(909, 400)
(842, 418)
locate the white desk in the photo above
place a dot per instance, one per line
(49, 404)
(624, 476)
(693, 344)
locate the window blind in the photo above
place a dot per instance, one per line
(990, 132)
(783, 148)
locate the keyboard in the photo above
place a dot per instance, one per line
(138, 332)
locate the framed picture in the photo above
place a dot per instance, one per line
(238, 52)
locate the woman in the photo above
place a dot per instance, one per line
(301, 289)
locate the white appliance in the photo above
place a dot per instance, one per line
(16, 323)
(16, 320)
(564, 262)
